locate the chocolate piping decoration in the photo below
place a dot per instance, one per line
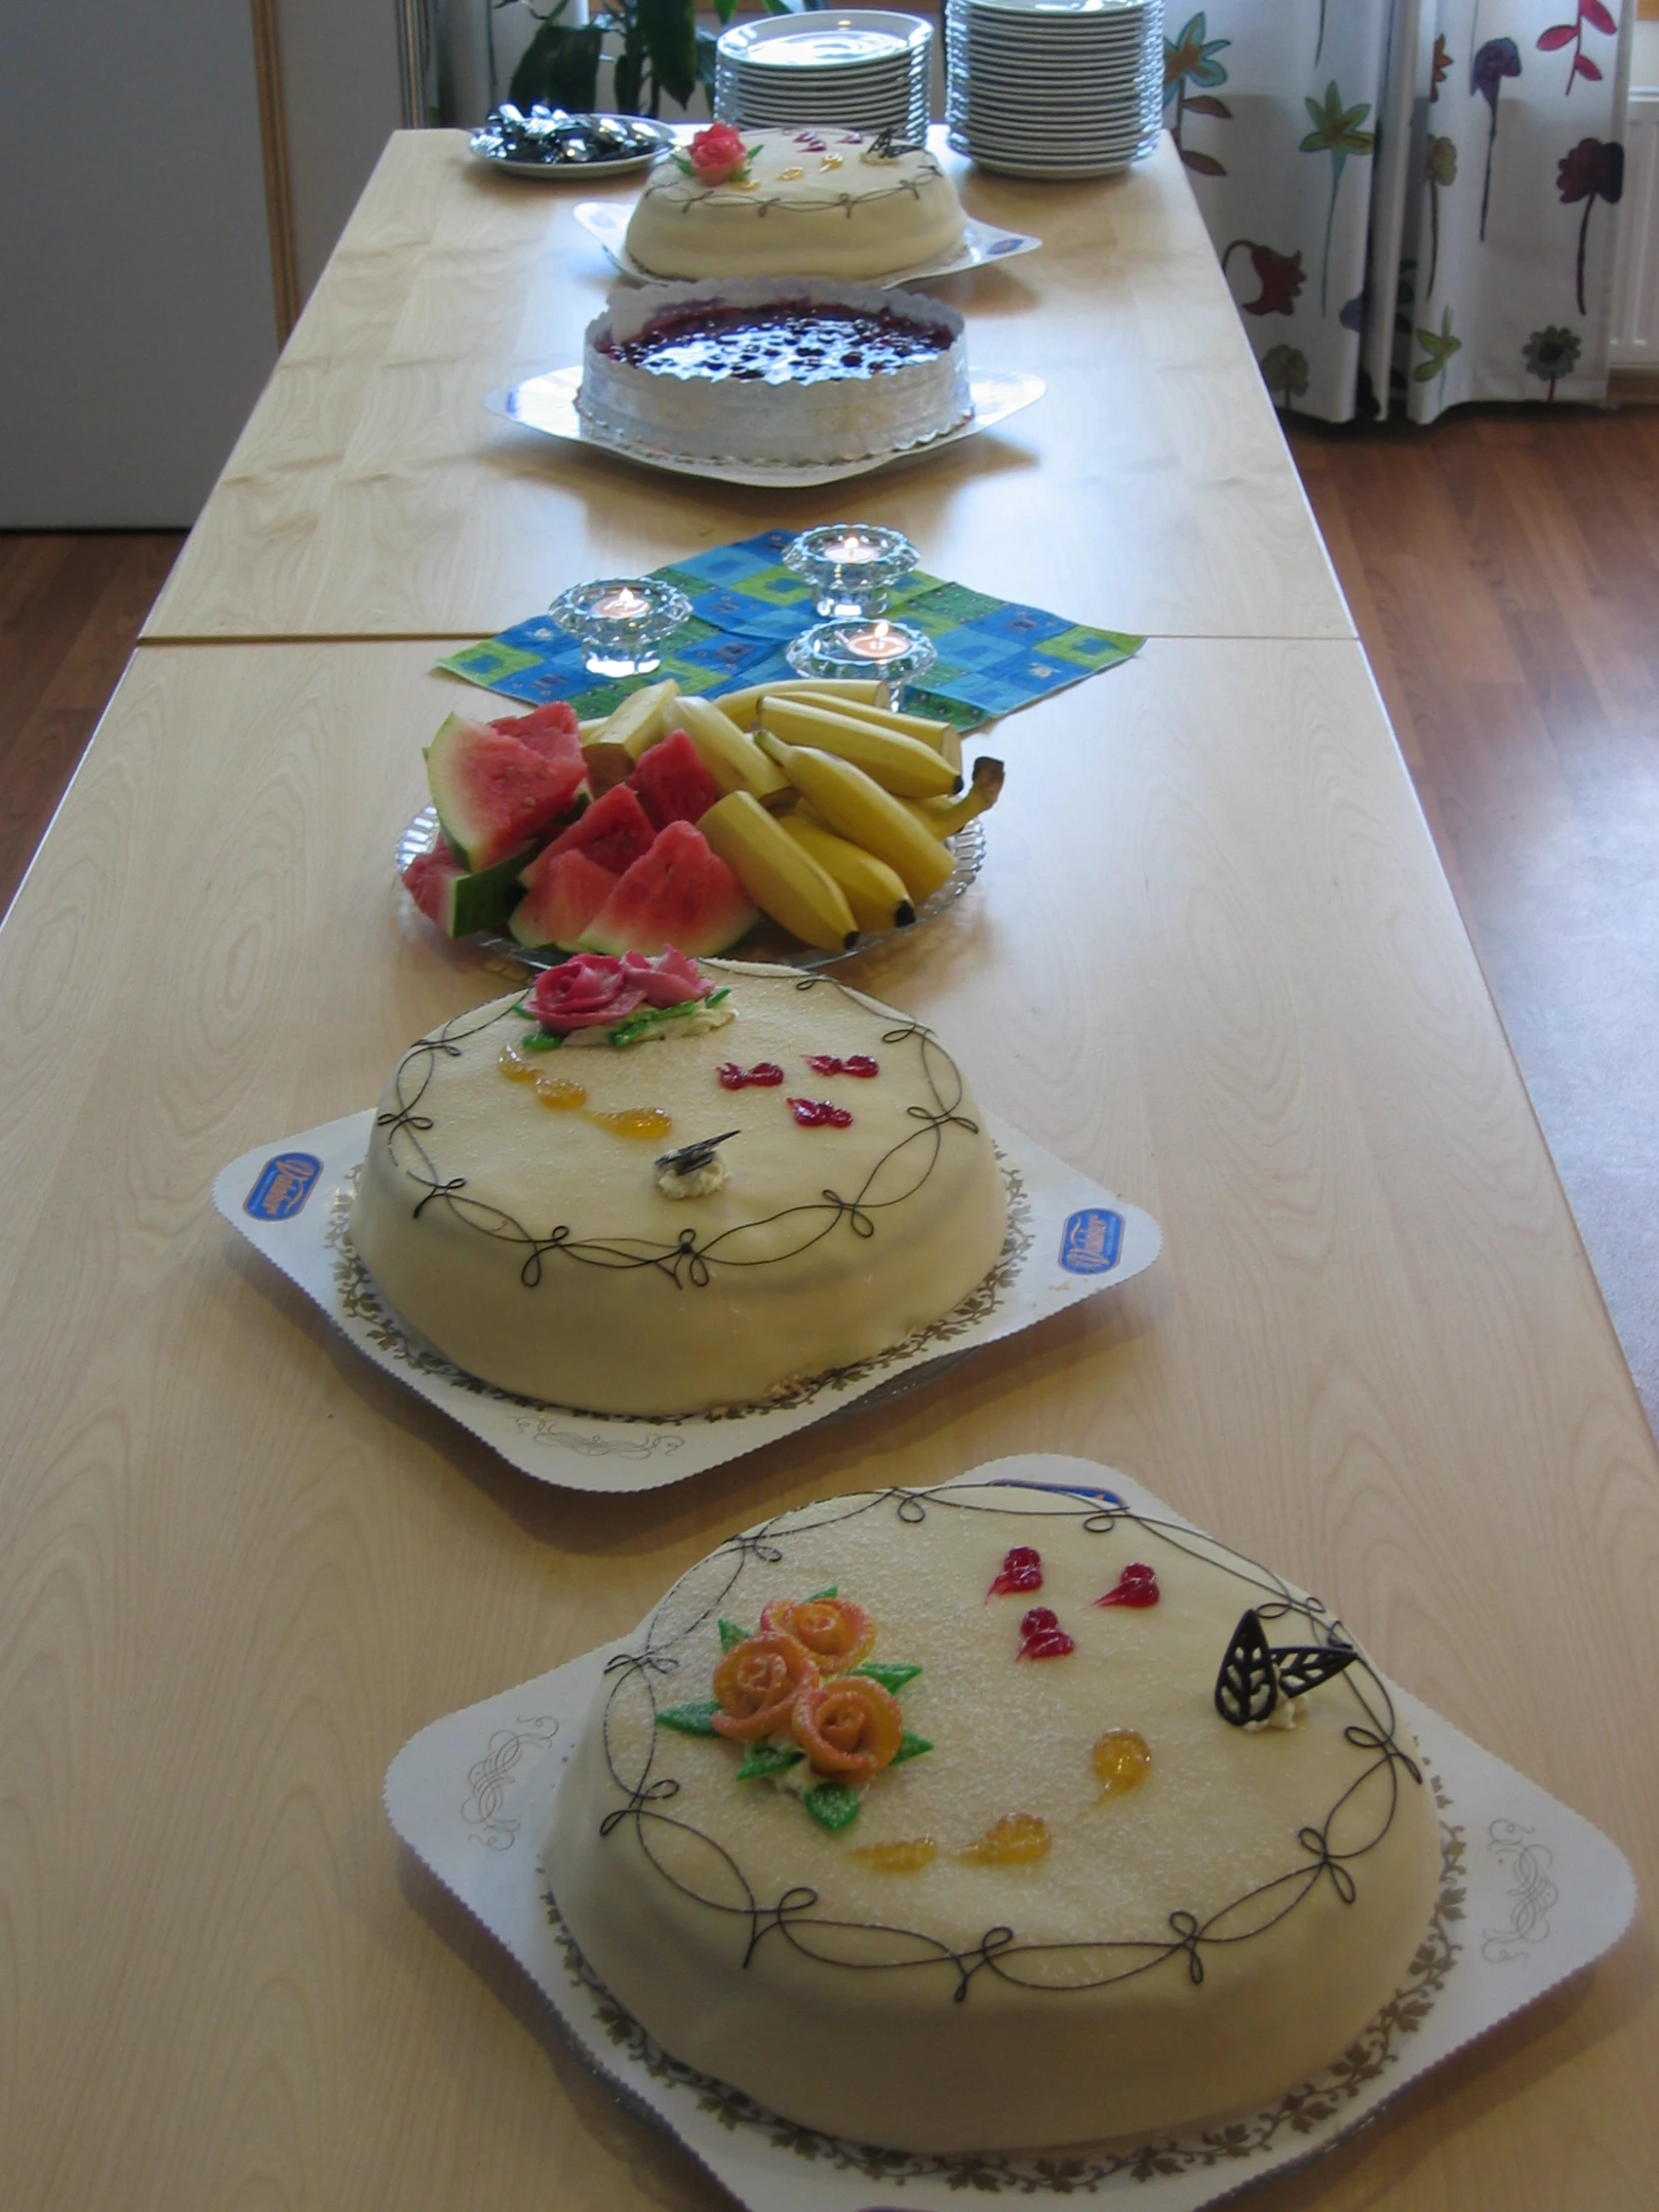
(1255, 1677)
(793, 1918)
(688, 1260)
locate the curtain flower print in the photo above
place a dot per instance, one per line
(1189, 59)
(1454, 250)
(1597, 18)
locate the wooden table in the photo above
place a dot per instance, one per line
(1213, 962)
(372, 494)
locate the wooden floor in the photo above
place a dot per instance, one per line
(1504, 569)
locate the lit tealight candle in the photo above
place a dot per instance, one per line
(881, 641)
(848, 551)
(622, 605)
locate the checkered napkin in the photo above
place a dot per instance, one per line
(994, 654)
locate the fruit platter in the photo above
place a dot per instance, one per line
(797, 822)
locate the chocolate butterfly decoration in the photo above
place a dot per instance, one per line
(1254, 1676)
(692, 1157)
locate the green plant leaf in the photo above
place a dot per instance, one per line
(731, 1635)
(891, 1676)
(832, 1591)
(832, 1805)
(911, 1746)
(560, 67)
(668, 31)
(762, 1761)
(695, 1719)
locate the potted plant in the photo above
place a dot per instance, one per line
(659, 49)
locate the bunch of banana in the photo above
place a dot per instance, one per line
(855, 804)
(779, 874)
(944, 817)
(615, 746)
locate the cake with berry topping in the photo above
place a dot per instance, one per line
(785, 371)
(816, 202)
(657, 1187)
(997, 1816)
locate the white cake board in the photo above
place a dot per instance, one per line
(1542, 1894)
(1068, 1239)
(548, 404)
(606, 221)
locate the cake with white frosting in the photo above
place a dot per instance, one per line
(671, 1195)
(787, 371)
(994, 1817)
(824, 201)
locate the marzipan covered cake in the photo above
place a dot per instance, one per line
(658, 1186)
(994, 1817)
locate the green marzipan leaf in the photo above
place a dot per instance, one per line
(832, 1591)
(892, 1674)
(695, 1719)
(731, 1635)
(911, 1746)
(541, 1041)
(832, 1805)
(761, 1760)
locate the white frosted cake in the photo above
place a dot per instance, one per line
(781, 370)
(526, 1205)
(816, 202)
(992, 1818)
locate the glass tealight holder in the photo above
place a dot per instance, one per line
(863, 645)
(620, 621)
(850, 568)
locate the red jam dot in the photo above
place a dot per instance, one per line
(827, 1063)
(818, 1113)
(1021, 1571)
(1042, 1637)
(764, 1075)
(1136, 1586)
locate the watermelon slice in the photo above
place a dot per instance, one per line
(679, 894)
(494, 794)
(672, 783)
(461, 903)
(614, 832)
(549, 730)
(567, 895)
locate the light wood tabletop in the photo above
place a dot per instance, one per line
(1211, 960)
(374, 495)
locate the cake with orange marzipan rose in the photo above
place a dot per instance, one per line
(991, 1818)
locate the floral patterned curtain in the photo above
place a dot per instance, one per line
(1413, 201)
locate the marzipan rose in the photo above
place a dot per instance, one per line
(837, 1632)
(849, 1729)
(756, 1684)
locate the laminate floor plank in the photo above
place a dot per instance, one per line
(71, 608)
(1503, 572)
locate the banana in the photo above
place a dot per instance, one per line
(944, 817)
(607, 765)
(874, 891)
(777, 873)
(588, 730)
(733, 761)
(904, 766)
(856, 804)
(741, 704)
(640, 721)
(921, 727)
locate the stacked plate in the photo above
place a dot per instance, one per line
(859, 67)
(1054, 87)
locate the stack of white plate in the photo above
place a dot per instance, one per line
(1054, 87)
(857, 65)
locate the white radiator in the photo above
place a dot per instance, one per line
(1635, 335)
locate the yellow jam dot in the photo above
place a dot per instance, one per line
(1122, 1762)
(1017, 1840)
(645, 1123)
(559, 1092)
(906, 1857)
(745, 183)
(831, 161)
(788, 176)
(516, 1066)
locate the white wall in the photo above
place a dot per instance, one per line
(138, 321)
(343, 100)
